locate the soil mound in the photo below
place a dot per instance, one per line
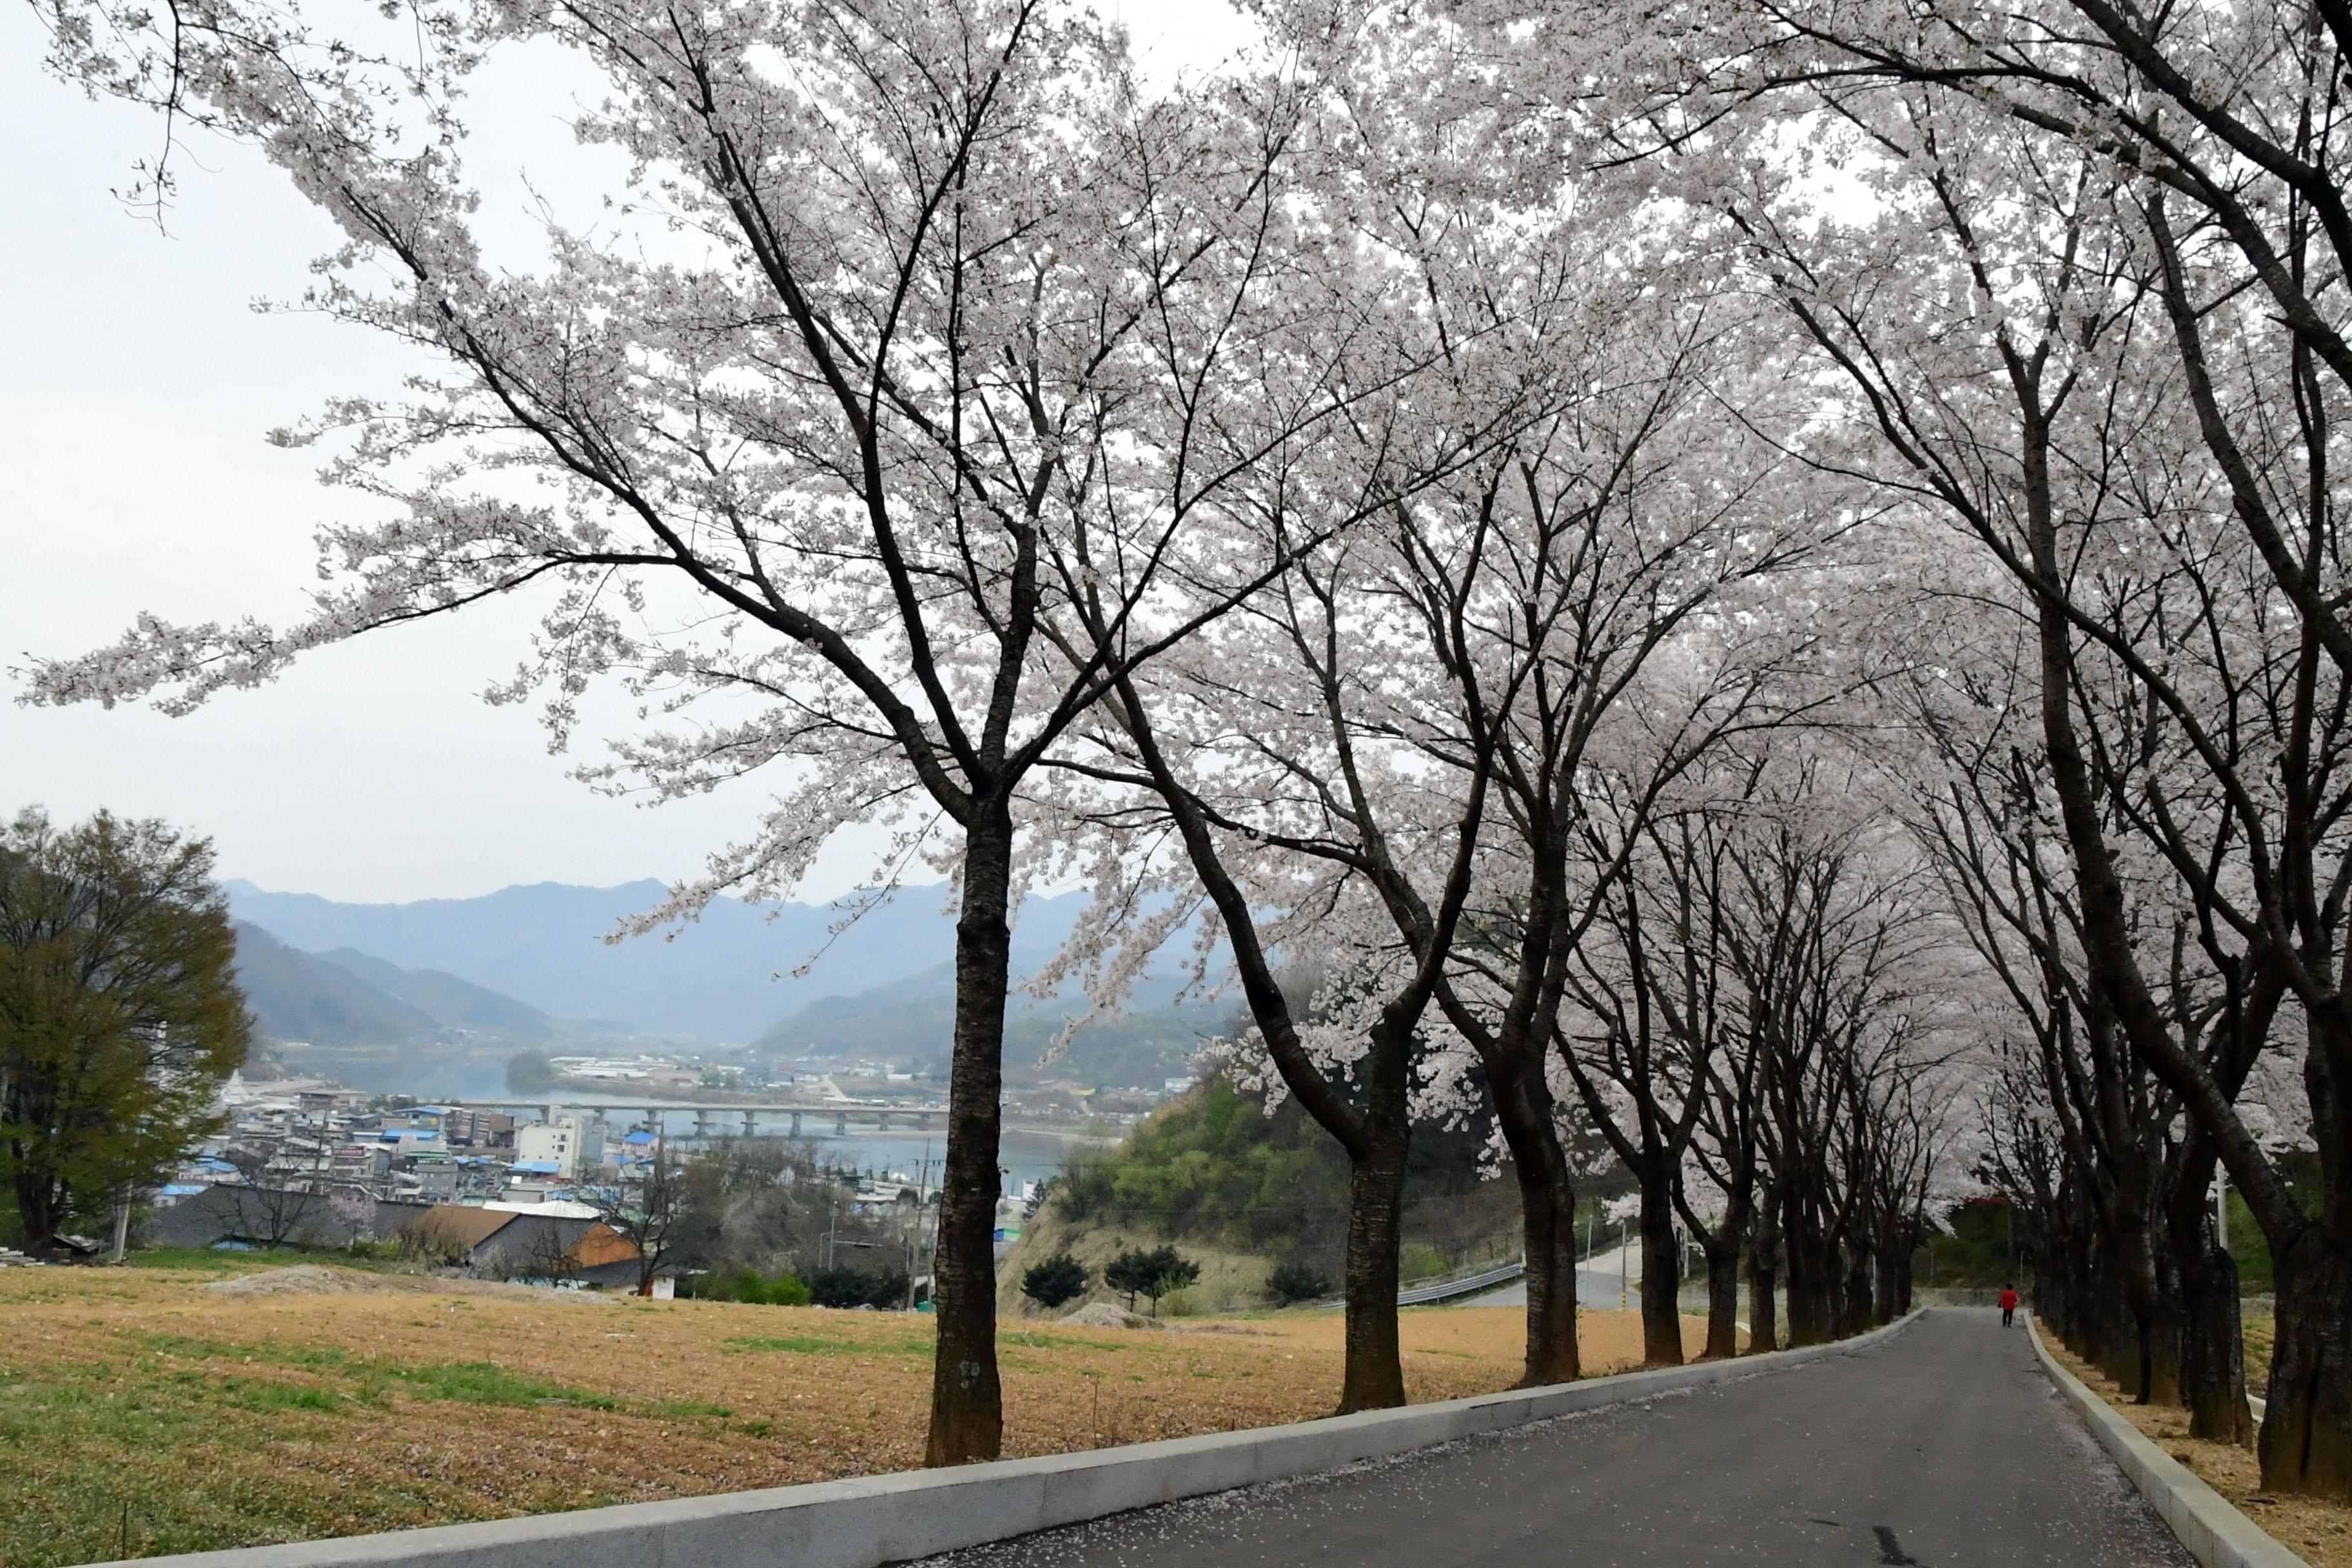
(302, 1278)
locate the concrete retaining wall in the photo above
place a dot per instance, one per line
(2215, 1533)
(875, 1519)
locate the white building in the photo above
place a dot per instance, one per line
(574, 1143)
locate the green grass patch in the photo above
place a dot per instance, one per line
(459, 1382)
(814, 1345)
(187, 1347)
(207, 1261)
(266, 1396)
(484, 1383)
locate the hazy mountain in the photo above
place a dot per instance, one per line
(448, 1001)
(358, 1019)
(913, 1020)
(296, 995)
(724, 978)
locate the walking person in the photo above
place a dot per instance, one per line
(2008, 1305)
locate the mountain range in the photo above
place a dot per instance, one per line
(914, 1020)
(722, 979)
(360, 1020)
(431, 998)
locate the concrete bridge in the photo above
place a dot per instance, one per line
(772, 1119)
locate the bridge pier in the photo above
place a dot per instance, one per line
(751, 1124)
(841, 1126)
(796, 1123)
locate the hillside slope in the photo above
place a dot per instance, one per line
(1215, 1173)
(296, 995)
(447, 1000)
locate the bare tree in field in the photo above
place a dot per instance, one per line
(280, 1194)
(643, 1213)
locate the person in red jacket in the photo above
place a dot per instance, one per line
(2008, 1305)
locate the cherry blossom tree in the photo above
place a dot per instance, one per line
(854, 443)
(2025, 332)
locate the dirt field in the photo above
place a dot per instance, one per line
(150, 1410)
(2321, 1533)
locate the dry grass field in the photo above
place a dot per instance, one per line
(2321, 1533)
(152, 1410)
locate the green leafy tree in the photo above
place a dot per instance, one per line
(1291, 1283)
(1057, 1279)
(1154, 1273)
(120, 1013)
(884, 1288)
(1128, 1274)
(531, 1072)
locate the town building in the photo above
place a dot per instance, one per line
(575, 1144)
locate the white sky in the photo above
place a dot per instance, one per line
(136, 383)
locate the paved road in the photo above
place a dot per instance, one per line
(1598, 1291)
(1598, 1283)
(1944, 1447)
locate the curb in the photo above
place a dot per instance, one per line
(869, 1520)
(2215, 1533)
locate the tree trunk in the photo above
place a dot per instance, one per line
(1374, 1375)
(2166, 1322)
(1523, 1110)
(2306, 1437)
(2213, 1350)
(1810, 1270)
(1723, 1296)
(2212, 1362)
(967, 1403)
(2139, 1291)
(1854, 1310)
(1548, 1226)
(1763, 1283)
(1661, 1321)
(35, 1212)
(2119, 1312)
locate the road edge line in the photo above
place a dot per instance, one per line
(2216, 1532)
(866, 1521)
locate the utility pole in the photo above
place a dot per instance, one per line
(915, 1228)
(1621, 1295)
(2222, 1203)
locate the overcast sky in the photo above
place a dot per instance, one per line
(136, 383)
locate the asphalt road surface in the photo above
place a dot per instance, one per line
(1599, 1283)
(1943, 1447)
(1597, 1290)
